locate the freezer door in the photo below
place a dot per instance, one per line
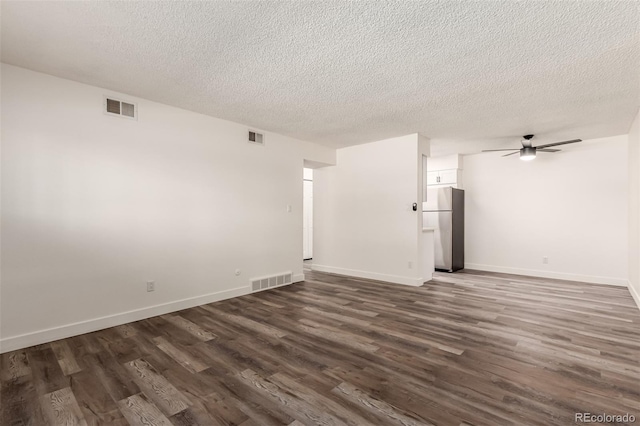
(438, 199)
(442, 237)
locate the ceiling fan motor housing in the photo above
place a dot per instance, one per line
(527, 153)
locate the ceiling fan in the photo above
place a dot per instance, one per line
(528, 152)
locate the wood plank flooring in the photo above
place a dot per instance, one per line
(469, 348)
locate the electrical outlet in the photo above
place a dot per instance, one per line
(545, 260)
(410, 265)
(151, 286)
(238, 272)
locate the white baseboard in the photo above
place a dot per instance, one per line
(634, 293)
(13, 343)
(298, 278)
(397, 279)
(621, 282)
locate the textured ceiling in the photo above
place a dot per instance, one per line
(343, 73)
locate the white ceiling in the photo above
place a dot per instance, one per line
(343, 73)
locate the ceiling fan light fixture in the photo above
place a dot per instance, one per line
(527, 153)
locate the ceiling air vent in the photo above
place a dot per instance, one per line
(255, 137)
(120, 108)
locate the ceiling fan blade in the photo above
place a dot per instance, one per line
(548, 150)
(494, 150)
(506, 155)
(558, 143)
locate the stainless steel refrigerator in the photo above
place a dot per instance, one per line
(443, 211)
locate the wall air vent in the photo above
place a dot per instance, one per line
(256, 138)
(262, 283)
(120, 108)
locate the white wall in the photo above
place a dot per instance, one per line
(634, 209)
(93, 206)
(570, 206)
(364, 224)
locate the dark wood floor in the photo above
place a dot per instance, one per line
(465, 349)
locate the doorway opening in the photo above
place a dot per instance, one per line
(307, 214)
